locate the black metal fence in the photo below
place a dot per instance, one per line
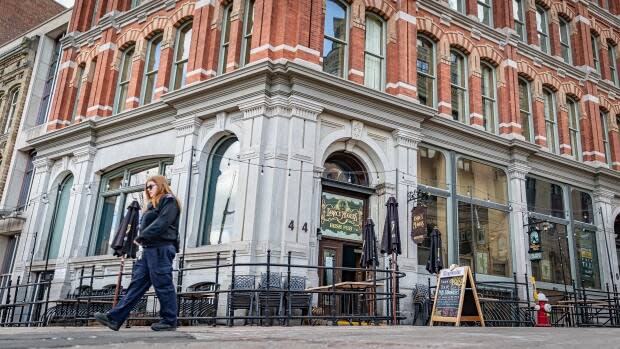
(254, 293)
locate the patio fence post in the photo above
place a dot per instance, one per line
(288, 289)
(217, 285)
(232, 289)
(77, 297)
(268, 287)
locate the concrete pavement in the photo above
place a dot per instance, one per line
(309, 337)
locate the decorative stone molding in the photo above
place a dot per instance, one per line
(84, 154)
(187, 125)
(406, 138)
(357, 127)
(42, 165)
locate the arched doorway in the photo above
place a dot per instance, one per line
(58, 218)
(344, 207)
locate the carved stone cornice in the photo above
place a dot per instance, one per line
(84, 154)
(42, 165)
(407, 138)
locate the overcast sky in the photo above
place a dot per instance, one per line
(66, 3)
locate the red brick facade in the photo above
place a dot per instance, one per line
(293, 31)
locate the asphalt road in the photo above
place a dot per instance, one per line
(309, 337)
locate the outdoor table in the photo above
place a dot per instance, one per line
(350, 304)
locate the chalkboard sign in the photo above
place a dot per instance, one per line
(456, 298)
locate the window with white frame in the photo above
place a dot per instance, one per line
(457, 5)
(458, 85)
(151, 68)
(335, 40)
(374, 53)
(489, 98)
(425, 66)
(519, 18)
(181, 56)
(605, 134)
(248, 28)
(542, 27)
(525, 108)
(225, 39)
(595, 53)
(613, 73)
(551, 120)
(79, 76)
(49, 83)
(485, 12)
(573, 127)
(565, 40)
(124, 76)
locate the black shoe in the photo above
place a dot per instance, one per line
(103, 319)
(160, 326)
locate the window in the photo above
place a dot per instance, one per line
(605, 135)
(221, 193)
(225, 39)
(124, 77)
(525, 107)
(458, 83)
(573, 127)
(485, 12)
(345, 168)
(595, 53)
(431, 168)
(426, 71)
(519, 15)
(374, 54)
(488, 98)
(10, 115)
(26, 182)
(587, 258)
(565, 40)
(335, 38)
(58, 217)
(583, 210)
(248, 28)
(555, 256)
(613, 75)
(542, 27)
(134, 3)
(551, 121)
(79, 75)
(436, 216)
(457, 5)
(118, 189)
(544, 197)
(181, 56)
(49, 83)
(151, 69)
(480, 181)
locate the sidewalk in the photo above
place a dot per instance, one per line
(309, 337)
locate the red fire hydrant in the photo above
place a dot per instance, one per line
(543, 309)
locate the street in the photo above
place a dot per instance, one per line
(309, 337)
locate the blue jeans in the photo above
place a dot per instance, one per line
(154, 268)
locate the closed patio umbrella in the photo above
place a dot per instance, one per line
(434, 263)
(369, 247)
(123, 244)
(390, 244)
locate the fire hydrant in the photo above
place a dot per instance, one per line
(542, 311)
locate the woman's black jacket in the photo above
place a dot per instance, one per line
(160, 225)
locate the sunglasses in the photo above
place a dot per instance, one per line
(150, 186)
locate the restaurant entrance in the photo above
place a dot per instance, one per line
(339, 253)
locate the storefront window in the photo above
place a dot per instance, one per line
(582, 206)
(431, 168)
(344, 168)
(587, 258)
(554, 264)
(544, 197)
(484, 242)
(436, 216)
(480, 181)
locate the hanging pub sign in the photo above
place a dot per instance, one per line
(456, 298)
(535, 249)
(418, 224)
(341, 216)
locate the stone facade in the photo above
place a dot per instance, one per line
(289, 117)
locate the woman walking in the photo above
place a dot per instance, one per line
(159, 234)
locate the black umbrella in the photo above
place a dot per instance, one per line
(369, 247)
(434, 263)
(123, 244)
(390, 243)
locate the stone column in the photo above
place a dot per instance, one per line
(517, 170)
(605, 238)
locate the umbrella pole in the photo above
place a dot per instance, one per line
(393, 288)
(118, 282)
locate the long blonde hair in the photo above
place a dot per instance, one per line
(162, 189)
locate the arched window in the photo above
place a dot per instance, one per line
(551, 120)
(58, 217)
(124, 76)
(221, 193)
(458, 83)
(248, 29)
(565, 40)
(485, 12)
(335, 39)
(605, 134)
(225, 38)
(79, 75)
(10, 115)
(519, 15)
(525, 108)
(181, 56)
(151, 69)
(542, 27)
(117, 190)
(573, 127)
(345, 168)
(457, 5)
(595, 53)
(489, 107)
(426, 71)
(611, 54)
(374, 54)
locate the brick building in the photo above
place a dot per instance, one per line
(19, 16)
(271, 117)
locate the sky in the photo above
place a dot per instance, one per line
(66, 3)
